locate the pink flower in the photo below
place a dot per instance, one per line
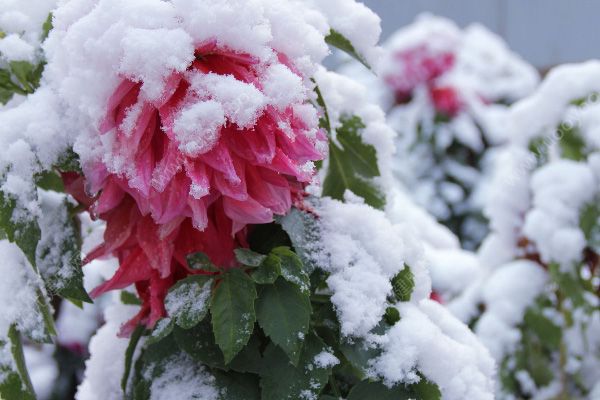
(190, 177)
(417, 66)
(446, 100)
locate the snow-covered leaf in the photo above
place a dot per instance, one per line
(24, 232)
(353, 165)
(339, 41)
(187, 301)
(248, 257)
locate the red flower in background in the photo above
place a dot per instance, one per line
(416, 66)
(446, 100)
(181, 194)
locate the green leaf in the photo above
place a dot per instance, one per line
(25, 233)
(130, 299)
(336, 39)
(237, 386)
(200, 261)
(45, 310)
(403, 284)
(188, 300)
(69, 162)
(358, 354)
(353, 165)
(50, 180)
(367, 390)
(150, 365)
(292, 269)
(268, 271)
(26, 73)
(232, 310)
(283, 381)
(283, 312)
(129, 352)
(199, 343)
(569, 284)
(589, 223)
(571, 142)
(425, 390)
(547, 332)
(324, 122)
(16, 383)
(47, 27)
(392, 315)
(249, 257)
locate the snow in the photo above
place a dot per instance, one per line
(560, 189)
(106, 364)
(344, 97)
(197, 128)
(507, 293)
(282, 86)
(325, 359)
(18, 294)
(242, 102)
(544, 109)
(429, 339)
(13, 48)
(43, 369)
(189, 298)
(452, 270)
(22, 21)
(176, 53)
(53, 258)
(33, 136)
(364, 252)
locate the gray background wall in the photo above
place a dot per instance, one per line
(545, 32)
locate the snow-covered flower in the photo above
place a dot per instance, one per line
(227, 140)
